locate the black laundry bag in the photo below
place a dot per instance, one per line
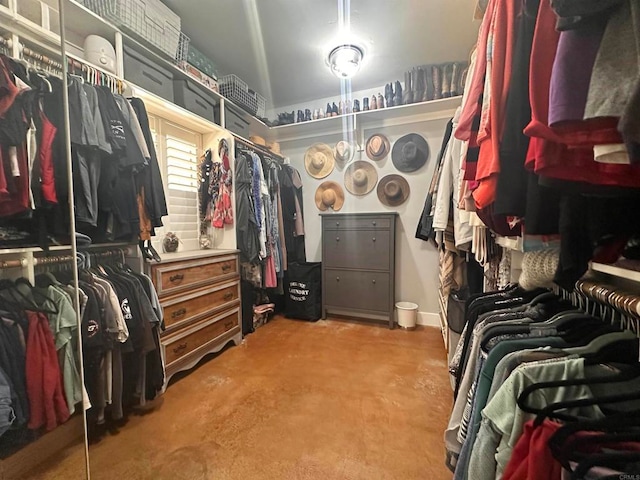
(303, 291)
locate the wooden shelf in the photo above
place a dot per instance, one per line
(614, 271)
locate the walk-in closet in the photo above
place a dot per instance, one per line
(330, 240)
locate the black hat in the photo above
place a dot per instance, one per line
(410, 153)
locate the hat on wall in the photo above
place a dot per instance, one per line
(377, 147)
(329, 195)
(319, 160)
(344, 151)
(410, 152)
(360, 178)
(393, 190)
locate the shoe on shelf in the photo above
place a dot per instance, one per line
(397, 97)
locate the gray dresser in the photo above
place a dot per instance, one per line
(358, 265)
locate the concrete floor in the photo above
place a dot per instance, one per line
(317, 401)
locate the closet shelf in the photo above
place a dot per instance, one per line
(614, 271)
(402, 114)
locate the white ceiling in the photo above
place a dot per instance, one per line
(278, 46)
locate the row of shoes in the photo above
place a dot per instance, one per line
(432, 82)
(421, 84)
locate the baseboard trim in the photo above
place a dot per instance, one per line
(429, 319)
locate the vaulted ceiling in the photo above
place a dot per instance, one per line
(278, 46)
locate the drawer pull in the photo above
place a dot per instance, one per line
(337, 239)
(374, 239)
(337, 224)
(226, 267)
(229, 324)
(228, 296)
(373, 281)
(179, 313)
(180, 348)
(374, 223)
(337, 279)
(178, 277)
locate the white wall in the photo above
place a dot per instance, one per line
(416, 260)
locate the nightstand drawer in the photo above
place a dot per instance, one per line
(179, 276)
(358, 249)
(180, 345)
(345, 222)
(187, 306)
(357, 290)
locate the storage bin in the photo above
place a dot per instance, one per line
(150, 20)
(407, 313)
(194, 98)
(148, 75)
(232, 87)
(199, 60)
(235, 121)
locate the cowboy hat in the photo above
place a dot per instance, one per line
(329, 195)
(393, 190)
(410, 152)
(319, 160)
(360, 178)
(344, 151)
(377, 147)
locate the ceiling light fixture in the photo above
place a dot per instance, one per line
(345, 60)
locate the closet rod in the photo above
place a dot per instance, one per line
(41, 58)
(625, 302)
(258, 148)
(50, 260)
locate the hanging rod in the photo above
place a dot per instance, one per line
(258, 148)
(53, 259)
(625, 302)
(41, 58)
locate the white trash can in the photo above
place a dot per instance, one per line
(407, 313)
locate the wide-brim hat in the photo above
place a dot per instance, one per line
(319, 160)
(410, 152)
(360, 178)
(377, 147)
(258, 140)
(344, 151)
(329, 195)
(274, 147)
(393, 190)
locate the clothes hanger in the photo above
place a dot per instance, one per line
(626, 373)
(605, 460)
(552, 411)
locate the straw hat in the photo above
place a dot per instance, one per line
(377, 147)
(319, 160)
(393, 190)
(360, 178)
(274, 147)
(258, 140)
(410, 152)
(329, 195)
(344, 151)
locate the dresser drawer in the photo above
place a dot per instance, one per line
(342, 223)
(179, 345)
(188, 306)
(356, 290)
(179, 276)
(365, 249)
